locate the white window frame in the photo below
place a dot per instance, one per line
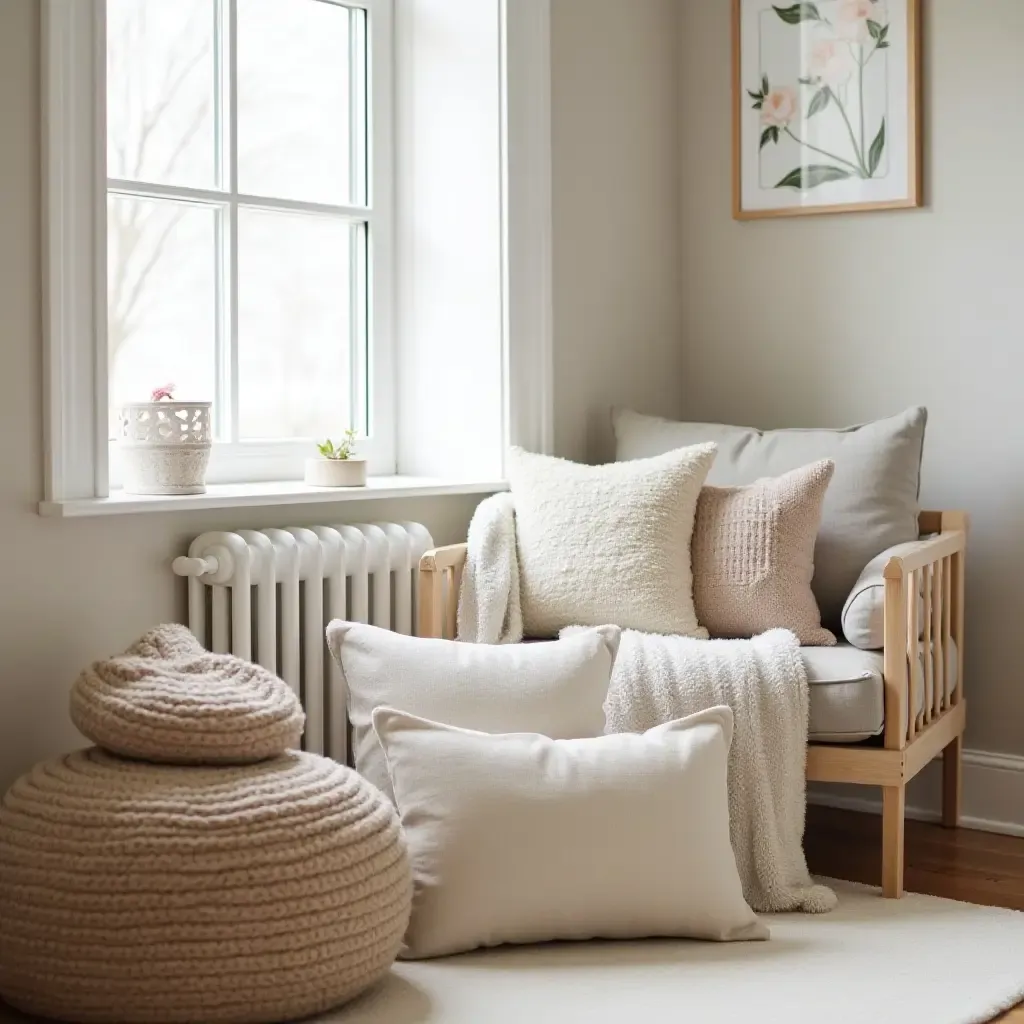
(76, 476)
(528, 226)
(76, 371)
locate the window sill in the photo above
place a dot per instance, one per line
(266, 495)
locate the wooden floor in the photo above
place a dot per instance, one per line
(976, 867)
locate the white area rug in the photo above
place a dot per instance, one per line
(919, 960)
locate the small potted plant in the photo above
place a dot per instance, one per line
(338, 465)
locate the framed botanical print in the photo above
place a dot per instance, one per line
(826, 106)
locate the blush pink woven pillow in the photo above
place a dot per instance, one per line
(753, 556)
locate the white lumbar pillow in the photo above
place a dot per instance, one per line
(521, 838)
(556, 688)
(608, 543)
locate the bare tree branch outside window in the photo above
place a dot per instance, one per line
(166, 288)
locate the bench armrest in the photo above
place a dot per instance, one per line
(439, 582)
(918, 633)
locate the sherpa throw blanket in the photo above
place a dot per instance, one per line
(660, 678)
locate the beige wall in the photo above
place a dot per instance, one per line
(616, 208)
(834, 320)
(73, 590)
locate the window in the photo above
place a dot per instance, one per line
(224, 214)
(244, 241)
(247, 196)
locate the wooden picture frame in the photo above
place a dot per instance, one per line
(826, 107)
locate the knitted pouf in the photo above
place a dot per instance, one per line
(140, 892)
(168, 699)
(171, 890)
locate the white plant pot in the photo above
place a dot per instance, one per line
(165, 447)
(336, 472)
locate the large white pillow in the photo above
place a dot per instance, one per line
(555, 688)
(607, 543)
(521, 838)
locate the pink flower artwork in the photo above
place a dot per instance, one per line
(780, 107)
(831, 61)
(852, 20)
(838, 40)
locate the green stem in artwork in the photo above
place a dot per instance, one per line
(824, 152)
(860, 104)
(858, 150)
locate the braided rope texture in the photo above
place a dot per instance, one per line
(167, 699)
(136, 893)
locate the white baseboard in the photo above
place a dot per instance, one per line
(993, 798)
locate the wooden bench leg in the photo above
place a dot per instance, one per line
(894, 801)
(952, 782)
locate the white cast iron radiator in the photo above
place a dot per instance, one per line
(266, 595)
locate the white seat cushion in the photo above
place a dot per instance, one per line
(847, 695)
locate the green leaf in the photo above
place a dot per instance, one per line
(882, 46)
(875, 29)
(808, 81)
(877, 149)
(797, 13)
(755, 95)
(820, 102)
(885, 33)
(766, 137)
(775, 133)
(812, 176)
(765, 88)
(757, 106)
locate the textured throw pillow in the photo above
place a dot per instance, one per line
(871, 504)
(521, 838)
(753, 556)
(864, 612)
(555, 688)
(607, 543)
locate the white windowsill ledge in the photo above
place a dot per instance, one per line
(266, 495)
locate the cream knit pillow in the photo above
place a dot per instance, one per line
(753, 556)
(607, 543)
(521, 838)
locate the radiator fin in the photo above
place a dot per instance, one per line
(267, 595)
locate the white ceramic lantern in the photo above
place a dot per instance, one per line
(165, 447)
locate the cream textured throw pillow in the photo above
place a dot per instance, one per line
(521, 838)
(753, 556)
(556, 688)
(607, 543)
